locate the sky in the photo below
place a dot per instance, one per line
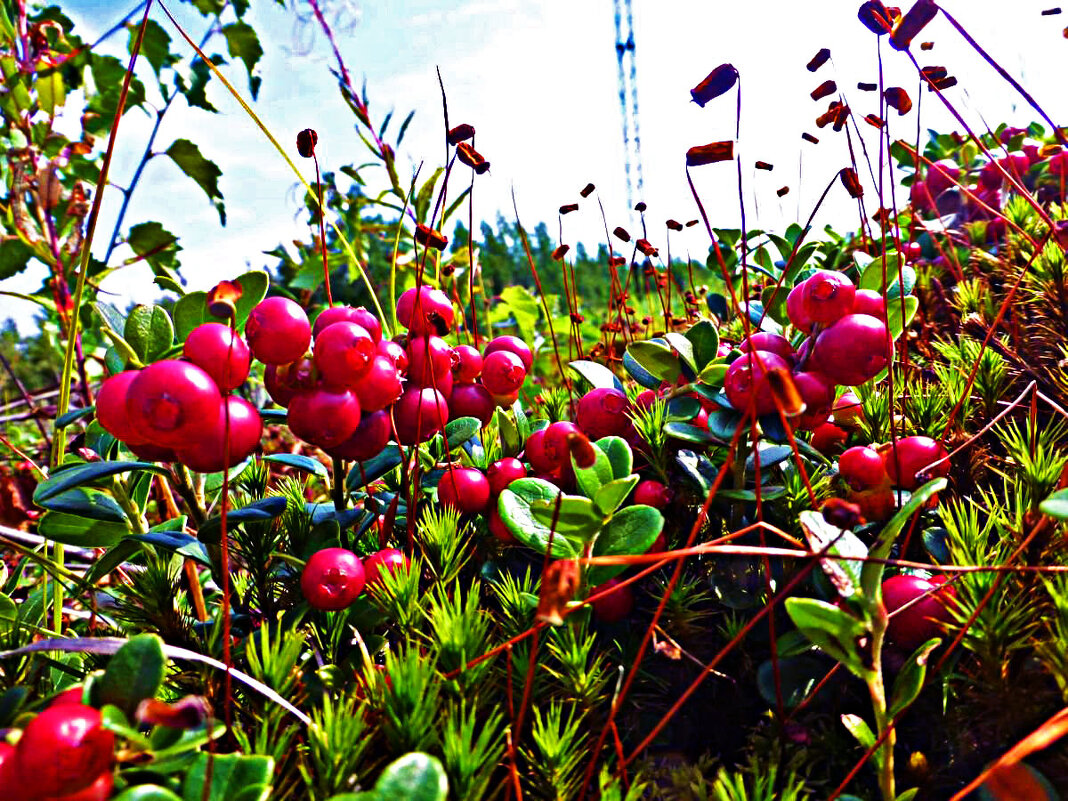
(538, 80)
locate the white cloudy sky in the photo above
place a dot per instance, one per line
(538, 80)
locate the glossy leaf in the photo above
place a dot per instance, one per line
(263, 509)
(414, 777)
(639, 373)
(658, 360)
(704, 337)
(233, 777)
(688, 433)
(597, 375)
(591, 479)
(82, 474)
(683, 409)
(1056, 505)
(845, 574)
(205, 172)
(299, 461)
(363, 473)
(834, 630)
(864, 736)
(88, 503)
(632, 530)
(81, 532)
(576, 518)
(684, 348)
(910, 678)
(460, 430)
(619, 455)
(514, 506)
(178, 541)
(147, 792)
(133, 674)
(609, 497)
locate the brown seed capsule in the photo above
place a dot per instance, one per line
(673, 225)
(874, 120)
(714, 152)
(559, 583)
(835, 111)
(306, 142)
(617, 261)
(785, 392)
(763, 165)
(1051, 12)
(825, 89)
(567, 208)
(931, 74)
(875, 17)
(428, 237)
(49, 188)
(810, 138)
(581, 450)
(560, 252)
(840, 513)
(692, 223)
(577, 318)
(867, 87)
(640, 206)
(1051, 149)
(587, 190)
(460, 133)
(646, 249)
(782, 190)
(851, 182)
(818, 60)
(914, 21)
(621, 233)
(719, 81)
(190, 712)
(898, 99)
(471, 157)
(942, 83)
(222, 299)
(926, 45)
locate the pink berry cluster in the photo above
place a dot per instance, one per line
(871, 472)
(181, 409)
(333, 578)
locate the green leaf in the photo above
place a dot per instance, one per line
(514, 506)
(173, 538)
(597, 375)
(1056, 505)
(233, 778)
(523, 307)
(845, 574)
(196, 92)
(14, 256)
(158, 247)
(108, 76)
(112, 559)
(257, 511)
(591, 479)
(872, 573)
(688, 433)
(155, 47)
(300, 462)
(863, 734)
(460, 430)
(705, 340)
(421, 204)
(577, 517)
(894, 318)
(73, 415)
(658, 360)
(82, 532)
(242, 43)
(190, 161)
(871, 277)
(51, 91)
(363, 473)
(639, 373)
(834, 630)
(149, 332)
(632, 530)
(683, 409)
(609, 497)
(192, 309)
(71, 477)
(133, 674)
(8, 613)
(619, 455)
(413, 777)
(910, 679)
(146, 792)
(798, 676)
(87, 503)
(684, 348)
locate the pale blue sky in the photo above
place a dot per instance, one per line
(538, 81)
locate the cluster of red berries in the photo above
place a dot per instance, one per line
(64, 754)
(925, 617)
(334, 578)
(871, 472)
(181, 410)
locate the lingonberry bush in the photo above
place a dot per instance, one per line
(789, 523)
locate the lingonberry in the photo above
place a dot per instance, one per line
(429, 360)
(503, 472)
(336, 314)
(10, 778)
(100, 790)
(471, 400)
(278, 331)
(795, 309)
(912, 252)
(380, 385)
(72, 695)
(700, 420)
(512, 345)
(396, 352)
(466, 364)
(941, 176)
(64, 750)
(343, 353)
(385, 561)
(503, 372)
(148, 452)
(827, 297)
(828, 438)
(465, 489)
(817, 392)
(325, 417)
(555, 443)
(173, 403)
(369, 438)
(220, 352)
(847, 409)
(868, 301)
(420, 413)
(207, 454)
(653, 493)
(536, 455)
(913, 455)
(602, 412)
(747, 382)
(614, 606)
(770, 343)
(862, 468)
(111, 408)
(428, 312)
(332, 579)
(853, 350)
(912, 627)
(505, 401)
(285, 381)
(499, 529)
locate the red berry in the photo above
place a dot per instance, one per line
(343, 354)
(557, 450)
(868, 301)
(700, 420)
(207, 455)
(912, 627)
(505, 401)
(746, 381)
(332, 579)
(795, 309)
(769, 343)
(464, 488)
(386, 560)
(368, 440)
(285, 381)
(853, 350)
(602, 412)
(503, 372)
(153, 453)
(466, 364)
(10, 778)
(72, 695)
(278, 331)
(503, 472)
(420, 413)
(827, 297)
(512, 345)
(220, 352)
(471, 400)
(817, 392)
(430, 312)
(862, 468)
(361, 316)
(941, 176)
(828, 438)
(659, 544)
(380, 385)
(920, 196)
(100, 790)
(913, 251)
(396, 352)
(913, 454)
(64, 749)
(324, 417)
(653, 493)
(173, 403)
(614, 606)
(536, 455)
(429, 360)
(111, 408)
(500, 529)
(848, 409)
(646, 398)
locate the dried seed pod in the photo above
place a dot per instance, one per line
(914, 21)
(460, 133)
(621, 233)
(646, 249)
(714, 152)
(577, 318)
(673, 225)
(825, 89)
(818, 60)
(190, 712)
(617, 261)
(640, 207)
(567, 208)
(873, 120)
(428, 237)
(222, 299)
(49, 188)
(942, 83)
(851, 182)
(1051, 12)
(581, 450)
(875, 17)
(782, 190)
(559, 583)
(932, 74)
(835, 111)
(306, 142)
(719, 81)
(472, 158)
(763, 165)
(841, 513)
(587, 190)
(898, 99)
(867, 87)
(560, 252)
(692, 223)
(926, 45)
(810, 138)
